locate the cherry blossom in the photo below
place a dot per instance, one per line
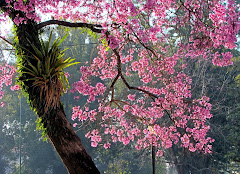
(145, 46)
(7, 73)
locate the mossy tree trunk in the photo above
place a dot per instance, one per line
(59, 131)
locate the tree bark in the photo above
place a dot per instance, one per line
(69, 146)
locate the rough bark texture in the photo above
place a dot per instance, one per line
(67, 144)
(69, 147)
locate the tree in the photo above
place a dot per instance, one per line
(160, 111)
(218, 83)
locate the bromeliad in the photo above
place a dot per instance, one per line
(48, 76)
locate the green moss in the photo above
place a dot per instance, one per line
(41, 73)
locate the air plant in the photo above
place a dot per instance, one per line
(48, 75)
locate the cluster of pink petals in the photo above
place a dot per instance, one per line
(85, 88)
(7, 73)
(134, 119)
(160, 110)
(28, 7)
(15, 87)
(95, 137)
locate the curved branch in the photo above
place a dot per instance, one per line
(153, 96)
(94, 27)
(146, 47)
(119, 66)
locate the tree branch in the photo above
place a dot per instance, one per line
(119, 66)
(94, 27)
(146, 47)
(6, 41)
(153, 96)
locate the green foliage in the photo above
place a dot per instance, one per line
(90, 33)
(105, 44)
(40, 126)
(238, 80)
(48, 76)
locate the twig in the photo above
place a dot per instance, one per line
(6, 41)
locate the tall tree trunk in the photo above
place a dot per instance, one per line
(69, 146)
(65, 141)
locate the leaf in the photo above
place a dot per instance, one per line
(48, 43)
(34, 68)
(31, 71)
(64, 37)
(37, 52)
(24, 72)
(71, 64)
(39, 67)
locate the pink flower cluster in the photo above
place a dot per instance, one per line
(7, 73)
(146, 47)
(161, 112)
(85, 88)
(25, 6)
(95, 137)
(83, 115)
(15, 87)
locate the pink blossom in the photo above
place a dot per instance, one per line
(131, 97)
(75, 124)
(15, 87)
(107, 145)
(94, 144)
(146, 62)
(185, 140)
(66, 74)
(159, 153)
(2, 104)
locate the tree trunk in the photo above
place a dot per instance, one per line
(61, 134)
(69, 146)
